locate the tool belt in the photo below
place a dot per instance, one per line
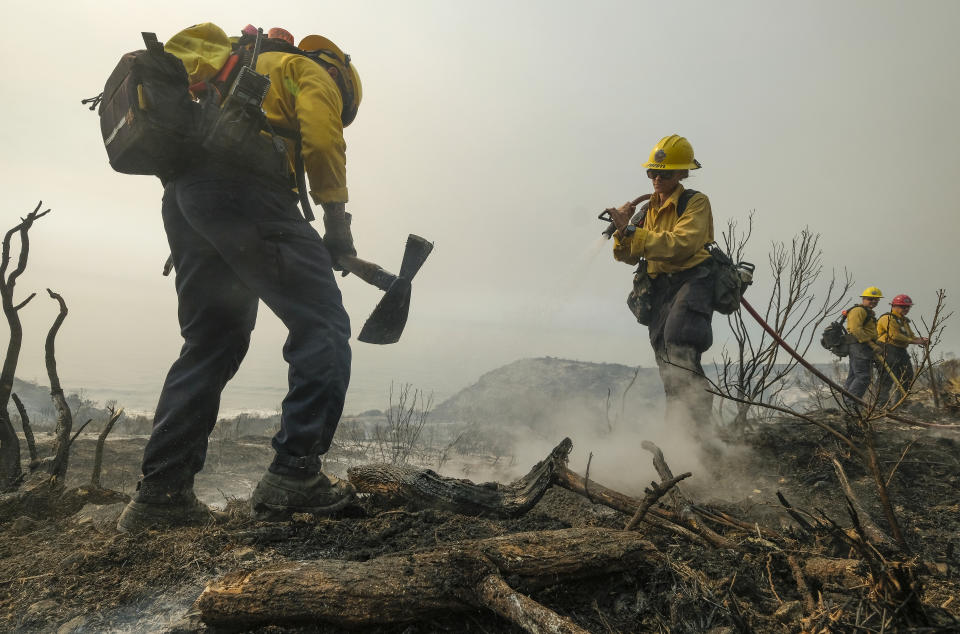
(640, 298)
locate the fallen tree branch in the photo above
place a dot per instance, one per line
(495, 594)
(661, 518)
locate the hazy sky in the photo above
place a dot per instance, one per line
(499, 130)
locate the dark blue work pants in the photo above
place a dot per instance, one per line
(859, 376)
(898, 364)
(680, 332)
(234, 243)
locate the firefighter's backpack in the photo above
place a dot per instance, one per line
(148, 119)
(835, 337)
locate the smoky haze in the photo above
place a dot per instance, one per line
(499, 130)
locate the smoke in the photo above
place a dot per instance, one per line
(530, 421)
(618, 460)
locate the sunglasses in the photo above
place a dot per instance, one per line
(663, 174)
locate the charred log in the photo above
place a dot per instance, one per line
(424, 488)
(407, 587)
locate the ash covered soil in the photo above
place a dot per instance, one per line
(77, 574)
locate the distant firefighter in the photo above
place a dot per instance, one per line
(894, 334)
(864, 351)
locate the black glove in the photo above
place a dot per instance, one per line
(337, 238)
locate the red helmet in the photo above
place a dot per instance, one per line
(902, 300)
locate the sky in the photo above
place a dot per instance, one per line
(499, 130)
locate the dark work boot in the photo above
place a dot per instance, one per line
(278, 496)
(176, 509)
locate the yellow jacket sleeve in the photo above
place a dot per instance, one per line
(671, 248)
(621, 250)
(308, 99)
(859, 325)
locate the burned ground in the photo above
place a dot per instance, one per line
(78, 574)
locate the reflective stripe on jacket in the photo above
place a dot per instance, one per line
(894, 330)
(669, 244)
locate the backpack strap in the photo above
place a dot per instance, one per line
(299, 169)
(684, 199)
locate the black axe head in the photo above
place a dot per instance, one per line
(386, 322)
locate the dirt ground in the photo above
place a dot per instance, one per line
(77, 574)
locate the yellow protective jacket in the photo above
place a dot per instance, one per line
(302, 97)
(669, 244)
(862, 324)
(894, 330)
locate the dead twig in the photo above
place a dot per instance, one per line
(661, 518)
(652, 495)
(872, 531)
(804, 590)
(663, 469)
(79, 429)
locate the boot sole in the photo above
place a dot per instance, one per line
(272, 513)
(137, 517)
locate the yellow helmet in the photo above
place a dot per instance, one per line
(672, 153)
(872, 291)
(348, 80)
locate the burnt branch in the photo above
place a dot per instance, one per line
(755, 371)
(61, 446)
(115, 415)
(424, 488)
(10, 470)
(495, 594)
(871, 530)
(651, 496)
(76, 434)
(661, 518)
(27, 430)
(663, 469)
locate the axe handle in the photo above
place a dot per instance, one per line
(369, 272)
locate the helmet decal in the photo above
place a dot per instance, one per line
(659, 156)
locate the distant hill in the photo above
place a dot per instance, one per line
(537, 393)
(40, 410)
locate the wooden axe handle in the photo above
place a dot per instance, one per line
(369, 272)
